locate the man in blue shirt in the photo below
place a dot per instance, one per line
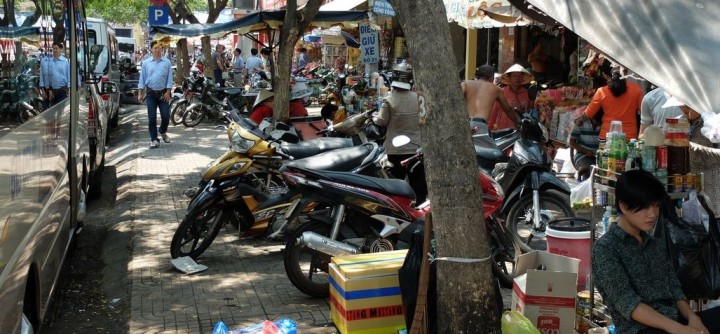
(55, 76)
(155, 85)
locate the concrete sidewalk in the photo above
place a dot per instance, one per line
(245, 283)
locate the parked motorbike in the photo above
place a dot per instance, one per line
(20, 97)
(191, 92)
(243, 186)
(366, 215)
(535, 195)
(213, 102)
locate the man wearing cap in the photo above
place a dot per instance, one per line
(516, 95)
(481, 95)
(653, 111)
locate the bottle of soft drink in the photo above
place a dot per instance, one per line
(611, 148)
(621, 152)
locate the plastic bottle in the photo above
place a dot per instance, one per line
(621, 153)
(611, 148)
(606, 220)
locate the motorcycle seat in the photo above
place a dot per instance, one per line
(314, 146)
(487, 152)
(384, 186)
(233, 90)
(343, 159)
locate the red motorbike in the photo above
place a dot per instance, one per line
(362, 214)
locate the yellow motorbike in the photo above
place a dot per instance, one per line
(243, 186)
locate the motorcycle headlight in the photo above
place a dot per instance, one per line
(240, 144)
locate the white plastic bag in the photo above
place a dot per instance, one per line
(693, 212)
(581, 196)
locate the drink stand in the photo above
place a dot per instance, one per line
(604, 180)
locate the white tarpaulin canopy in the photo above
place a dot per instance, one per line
(471, 14)
(671, 43)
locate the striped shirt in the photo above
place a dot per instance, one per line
(156, 74)
(586, 135)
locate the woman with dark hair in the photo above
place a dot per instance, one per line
(620, 100)
(637, 282)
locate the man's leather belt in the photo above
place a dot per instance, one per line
(61, 89)
(156, 92)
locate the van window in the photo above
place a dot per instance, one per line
(92, 37)
(126, 47)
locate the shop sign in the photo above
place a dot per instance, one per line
(383, 7)
(369, 44)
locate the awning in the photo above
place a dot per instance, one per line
(471, 14)
(255, 22)
(18, 32)
(332, 36)
(671, 43)
(336, 5)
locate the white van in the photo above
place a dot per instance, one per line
(101, 33)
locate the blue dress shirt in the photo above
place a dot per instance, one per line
(55, 73)
(156, 74)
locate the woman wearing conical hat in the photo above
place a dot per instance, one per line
(515, 79)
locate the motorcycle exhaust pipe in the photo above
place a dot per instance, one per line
(325, 245)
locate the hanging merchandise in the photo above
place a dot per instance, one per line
(400, 47)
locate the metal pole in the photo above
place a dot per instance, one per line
(74, 116)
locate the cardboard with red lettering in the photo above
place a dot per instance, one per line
(365, 293)
(545, 290)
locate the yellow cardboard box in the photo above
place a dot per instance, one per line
(365, 293)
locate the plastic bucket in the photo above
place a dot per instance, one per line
(571, 237)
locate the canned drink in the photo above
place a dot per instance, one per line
(583, 304)
(662, 157)
(689, 182)
(649, 160)
(675, 184)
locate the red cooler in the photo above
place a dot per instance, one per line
(571, 237)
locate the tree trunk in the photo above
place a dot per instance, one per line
(183, 61)
(291, 30)
(207, 57)
(466, 297)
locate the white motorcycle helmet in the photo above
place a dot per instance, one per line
(402, 76)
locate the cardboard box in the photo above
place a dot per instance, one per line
(546, 297)
(365, 293)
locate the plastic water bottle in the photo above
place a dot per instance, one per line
(606, 220)
(220, 328)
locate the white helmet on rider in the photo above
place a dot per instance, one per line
(402, 76)
(300, 89)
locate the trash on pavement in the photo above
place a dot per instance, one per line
(187, 265)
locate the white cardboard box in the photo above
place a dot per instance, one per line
(546, 297)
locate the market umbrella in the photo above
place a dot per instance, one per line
(671, 43)
(471, 14)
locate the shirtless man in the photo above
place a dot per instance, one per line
(481, 94)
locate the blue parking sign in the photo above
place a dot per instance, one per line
(158, 15)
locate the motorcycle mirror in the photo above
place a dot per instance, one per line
(400, 140)
(282, 126)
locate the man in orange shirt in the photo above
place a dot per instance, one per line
(620, 100)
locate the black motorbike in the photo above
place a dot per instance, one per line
(213, 101)
(20, 98)
(535, 196)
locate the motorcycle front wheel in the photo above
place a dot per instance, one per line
(505, 252)
(520, 218)
(194, 116)
(196, 232)
(308, 269)
(177, 112)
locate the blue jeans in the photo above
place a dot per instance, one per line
(218, 76)
(153, 102)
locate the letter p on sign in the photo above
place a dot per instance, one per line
(158, 15)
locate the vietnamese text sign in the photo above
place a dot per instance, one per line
(369, 44)
(383, 7)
